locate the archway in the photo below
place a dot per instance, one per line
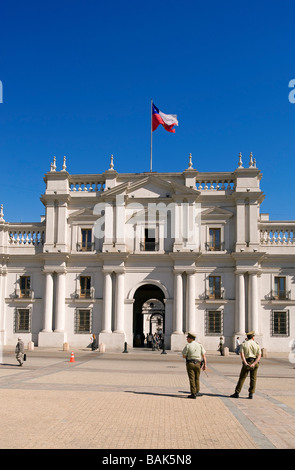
(148, 308)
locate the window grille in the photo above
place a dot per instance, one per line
(214, 322)
(83, 321)
(280, 323)
(22, 320)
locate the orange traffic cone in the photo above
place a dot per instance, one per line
(72, 357)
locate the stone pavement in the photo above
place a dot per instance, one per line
(139, 400)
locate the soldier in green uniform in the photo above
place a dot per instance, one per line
(194, 353)
(250, 353)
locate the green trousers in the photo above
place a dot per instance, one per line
(244, 374)
(193, 372)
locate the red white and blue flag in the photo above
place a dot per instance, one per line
(168, 121)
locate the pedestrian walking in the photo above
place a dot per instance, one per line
(250, 353)
(19, 350)
(221, 346)
(194, 354)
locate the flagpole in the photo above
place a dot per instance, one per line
(151, 135)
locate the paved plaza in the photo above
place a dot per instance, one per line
(138, 400)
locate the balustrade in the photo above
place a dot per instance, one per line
(33, 237)
(86, 185)
(209, 183)
(281, 235)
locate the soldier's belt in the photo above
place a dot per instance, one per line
(193, 361)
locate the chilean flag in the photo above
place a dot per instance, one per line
(168, 121)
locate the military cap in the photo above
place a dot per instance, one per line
(191, 335)
(250, 334)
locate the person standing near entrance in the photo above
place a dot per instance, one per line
(250, 353)
(149, 340)
(194, 354)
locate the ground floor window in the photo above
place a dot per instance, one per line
(22, 320)
(214, 322)
(83, 321)
(280, 323)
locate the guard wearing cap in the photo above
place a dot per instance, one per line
(194, 353)
(250, 353)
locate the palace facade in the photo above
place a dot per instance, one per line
(122, 255)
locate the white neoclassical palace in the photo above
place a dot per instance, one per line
(122, 255)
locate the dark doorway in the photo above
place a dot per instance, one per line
(142, 295)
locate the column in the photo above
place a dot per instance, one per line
(178, 303)
(240, 225)
(191, 309)
(60, 302)
(62, 226)
(107, 304)
(253, 310)
(2, 326)
(178, 227)
(120, 223)
(109, 227)
(48, 302)
(50, 225)
(240, 304)
(120, 297)
(253, 225)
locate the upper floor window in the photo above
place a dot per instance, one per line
(86, 239)
(214, 287)
(25, 286)
(85, 287)
(280, 288)
(149, 242)
(214, 239)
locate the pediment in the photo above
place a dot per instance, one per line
(215, 213)
(147, 214)
(151, 187)
(85, 212)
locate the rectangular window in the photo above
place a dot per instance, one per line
(86, 241)
(83, 321)
(22, 320)
(25, 286)
(214, 239)
(214, 322)
(214, 287)
(280, 288)
(280, 323)
(149, 239)
(85, 285)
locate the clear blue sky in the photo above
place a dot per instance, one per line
(78, 78)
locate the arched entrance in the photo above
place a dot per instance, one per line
(148, 313)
